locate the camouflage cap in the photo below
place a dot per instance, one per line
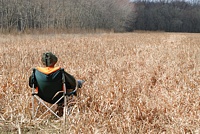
(49, 59)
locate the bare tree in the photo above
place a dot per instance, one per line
(64, 14)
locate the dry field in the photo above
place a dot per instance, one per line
(135, 82)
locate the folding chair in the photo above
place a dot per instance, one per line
(50, 88)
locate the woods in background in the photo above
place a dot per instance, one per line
(63, 14)
(115, 15)
(169, 16)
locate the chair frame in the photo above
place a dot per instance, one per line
(49, 109)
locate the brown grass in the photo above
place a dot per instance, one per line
(135, 82)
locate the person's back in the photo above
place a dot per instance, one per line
(49, 77)
(49, 60)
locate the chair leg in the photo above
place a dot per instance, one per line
(48, 108)
(65, 109)
(33, 108)
(64, 113)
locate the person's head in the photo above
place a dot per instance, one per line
(49, 59)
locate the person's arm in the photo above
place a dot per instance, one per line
(70, 81)
(32, 81)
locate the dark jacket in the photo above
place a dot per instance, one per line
(70, 80)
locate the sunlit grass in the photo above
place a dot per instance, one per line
(135, 82)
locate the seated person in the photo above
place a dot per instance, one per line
(49, 60)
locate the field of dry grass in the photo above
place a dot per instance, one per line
(135, 82)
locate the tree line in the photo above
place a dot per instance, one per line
(21, 15)
(170, 16)
(115, 15)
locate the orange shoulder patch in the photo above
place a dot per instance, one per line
(47, 70)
